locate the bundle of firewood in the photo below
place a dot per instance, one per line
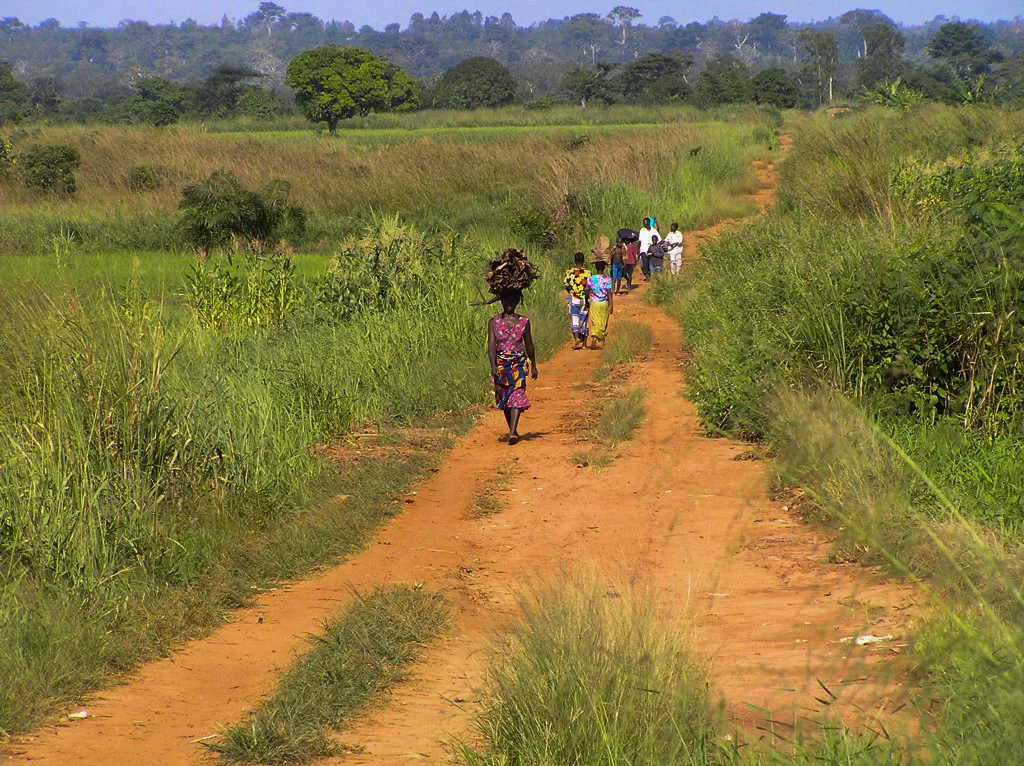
(510, 271)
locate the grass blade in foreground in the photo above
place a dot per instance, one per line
(593, 678)
(358, 657)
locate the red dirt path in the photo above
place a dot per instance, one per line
(680, 511)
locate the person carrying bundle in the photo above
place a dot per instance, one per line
(599, 295)
(510, 348)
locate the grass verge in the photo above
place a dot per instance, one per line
(358, 657)
(595, 677)
(622, 417)
(630, 341)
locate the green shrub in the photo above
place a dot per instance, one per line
(51, 168)
(985, 193)
(534, 225)
(219, 210)
(258, 104)
(578, 141)
(6, 158)
(143, 178)
(894, 94)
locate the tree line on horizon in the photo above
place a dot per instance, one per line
(160, 73)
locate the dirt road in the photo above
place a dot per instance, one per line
(676, 509)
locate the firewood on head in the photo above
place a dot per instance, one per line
(510, 271)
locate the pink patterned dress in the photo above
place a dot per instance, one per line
(513, 364)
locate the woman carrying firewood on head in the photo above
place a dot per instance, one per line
(510, 350)
(510, 347)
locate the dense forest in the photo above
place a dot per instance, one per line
(141, 72)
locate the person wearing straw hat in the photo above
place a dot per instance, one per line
(599, 295)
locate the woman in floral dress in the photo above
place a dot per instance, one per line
(511, 353)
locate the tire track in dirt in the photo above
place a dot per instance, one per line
(681, 511)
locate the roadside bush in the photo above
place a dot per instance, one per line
(219, 210)
(985, 193)
(143, 178)
(534, 225)
(51, 168)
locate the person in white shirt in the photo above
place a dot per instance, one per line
(674, 244)
(647, 233)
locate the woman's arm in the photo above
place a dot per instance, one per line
(530, 353)
(611, 306)
(492, 347)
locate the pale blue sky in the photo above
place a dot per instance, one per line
(108, 12)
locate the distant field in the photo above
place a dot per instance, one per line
(461, 174)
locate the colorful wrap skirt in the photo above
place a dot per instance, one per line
(599, 313)
(510, 382)
(578, 316)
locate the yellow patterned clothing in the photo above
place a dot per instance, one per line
(576, 281)
(599, 313)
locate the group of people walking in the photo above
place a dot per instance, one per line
(591, 295)
(591, 300)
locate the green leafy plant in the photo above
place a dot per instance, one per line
(220, 297)
(578, 141)
(51, 168)
(894, 94)
(389, 265)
